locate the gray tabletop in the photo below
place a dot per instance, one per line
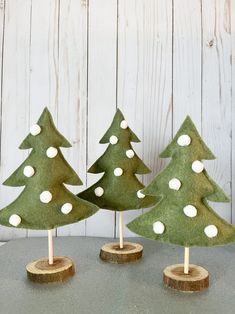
(103, 288)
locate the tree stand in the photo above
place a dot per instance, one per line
(112, 253)
(186, 277)
(122, 252)
(50, 269)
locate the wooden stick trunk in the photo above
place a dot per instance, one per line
(186, 260)
(121, 229)
(50, 247)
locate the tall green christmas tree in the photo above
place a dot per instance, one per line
(118, 189)
(45, 203)
(183, 215)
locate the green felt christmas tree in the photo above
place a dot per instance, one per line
(45, 203)
(183, 215)
(118, 189)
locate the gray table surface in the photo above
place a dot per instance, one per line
(103, 288)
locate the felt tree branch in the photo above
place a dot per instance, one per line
(118, 189)
(183, 215)
(45, 203)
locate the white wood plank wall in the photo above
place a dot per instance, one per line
(157, 60)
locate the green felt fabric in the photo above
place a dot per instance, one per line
(48, 135)
(115, 129)
(120, 193)
(195, 190)
(50, 175)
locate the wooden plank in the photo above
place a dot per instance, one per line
(232, 14)
(144, 79)
(72, 103)
(101, 95)
(186, 62)
(15, 99)
(216, 93)
(44, 64)
(157, 94)
(2, 25)
(130, 57)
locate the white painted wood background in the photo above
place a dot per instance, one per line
(157, 60)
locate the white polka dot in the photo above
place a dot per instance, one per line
(35, 129)
(158, 227)
(190, 211)
(118, 172)
(113, 140)
(29, 171)
(124, 124)
(140, 194)
(211, 231)
(99, 191)
(52, 152)
(174, 184)
(184, 140)
(197, 166)
(130, 153)
(66, 208)
(45, 197)
(15, 220)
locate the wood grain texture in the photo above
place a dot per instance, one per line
(130, 78)
(72, 92)
(112, 253)
(2, 26)
(144, 79)
(186, 62)
(232, 15)
(101, 96)
(44, 37)
(156, 60)
(15, 98)
(41, 272)
(196, 280)
(157, 91)
(216, 93)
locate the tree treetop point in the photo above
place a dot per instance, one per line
(46, 133)
(196, 144)
(116, 127)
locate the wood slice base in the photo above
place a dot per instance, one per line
(40, 271)
(196, 280)
(112, 253)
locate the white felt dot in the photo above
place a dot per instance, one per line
(211, 231)
(29, 171)
(174, 184)
(99, 191)
(45, 197)
(124, 124)
(197, 166)
(184, 140)
(52, 152)
(35, 129)
(140, 194)
(15, 220)
(113, 140)
(130, 153)
(118, 172)
(66, 208)
(158, 227)
(190, 211)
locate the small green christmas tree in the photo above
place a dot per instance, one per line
(183, 215)
(45, 203)
(118, 189)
